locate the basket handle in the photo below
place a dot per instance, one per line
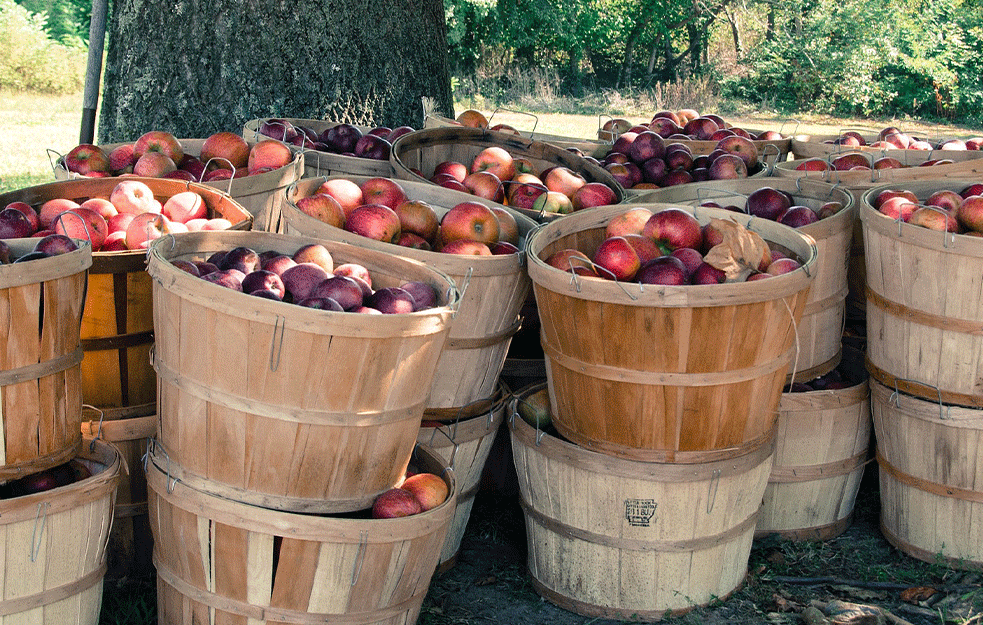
(56, 163)
(535, 118)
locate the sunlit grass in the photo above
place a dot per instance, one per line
(30, 125)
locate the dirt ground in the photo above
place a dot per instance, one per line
(489, 582)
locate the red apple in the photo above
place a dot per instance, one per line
(970, 213)
(269, 153)
(143, 229)
(418, 217)
(674, 228)
(767, 203)
(667, 270)
(82, 223)
(553, 202)
(154, 164)
(396, 503)
(944, 198)
(159, 141)
(616, 259)
(496, 160)
(385, 191)
(32, 215)
(593, 194)
(456, 169)
(934, 218)
(485, 184)
(121, 158)
(345, 191)
(85, 158)
(374, 221)
(508, 227)
(133, 196)
(228, 148)
(323, 207)
(466, 247)
(524, 195)
(572, 261)
(429, 489)
(563, 180)
(632, 221)
(470, 220)
(898, 207)
(184, 206)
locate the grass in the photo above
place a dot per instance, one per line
(32, 124)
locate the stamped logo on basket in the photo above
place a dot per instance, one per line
(639, 512)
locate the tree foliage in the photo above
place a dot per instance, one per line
(66, 21)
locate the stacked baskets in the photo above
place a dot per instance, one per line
(667, 398)
(55, 539)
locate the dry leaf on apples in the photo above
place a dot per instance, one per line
(740, 254)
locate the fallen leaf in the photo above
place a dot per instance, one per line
(917, 594)
(741, 252)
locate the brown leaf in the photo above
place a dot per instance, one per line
(917, 594)
(740, 253)
(486, 581)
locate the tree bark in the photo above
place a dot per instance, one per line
(194, 67)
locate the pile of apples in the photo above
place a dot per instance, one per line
(665, 247)
(159, 154)
(379, 209)
(858, 161)
(776, 205)
(472, 118)
(418, 493)
(129, 219)
(642, 159)
(944, 210)
(308, 278)
(496, 175)
(893, 138)
(55, 477)
(344, 139)
(684, 125)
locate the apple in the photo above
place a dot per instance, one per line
(154, 164)
(347, 192)
(646, 248)
(374, 221)
(228, 146)
(453, 184)
(678, 156)
(798, 216)
(553, 202)
(344, 290)
(354, 270)
(767, 203)
(674, 228)
(301, 279)
(424, 295)
(55, 244)
(944, 198)
(395, 503)
(887, 162)
(593, 194)
(503, 248)
(667, 270)
(456, 169)
(889, 193)
(813, 164)
(572, 261)
(700, 128)
(466, 247)
(144, 228)
(279, 129)
(15, 225)
(471, 118)
(82, 223)
(374, 147)
(564, 180)
(323, 207)
(383, 191)
(850, 161)
(523, 195)
(184, 206)
(391, 300)
(419, 219)
(85, 158)
(690, 257)
(632, 221)
(970, 213)
(934, 218)
(486, 185)
(32, 215)
(727, 167)
(621, 174)
(647, 144)
(470, 220)
(742, 147)
(122, 159)
(708, 274)
(496, 160)
(133, 196)
(99, 204)
(261, 279)
(616, 259)
(974, 189)
(429, 489)
(268, 153)
(508, 227)
(159, 141)
(898, 207)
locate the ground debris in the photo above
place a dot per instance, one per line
(845, 613)
(918, 594)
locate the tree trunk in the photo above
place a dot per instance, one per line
(194, 68)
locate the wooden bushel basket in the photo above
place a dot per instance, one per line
(924, 312)
(822, 445)
(40, 362)
(805, 146)
(55, 554)
(423, 150)
(928, 455)
(318, 163)
(129, 553)
(822, 320)
(493, 289)
(117, 324)
(666, 373)
(225, 561)
(465, 444)
(622, 539)
(260, 194)
(285, 406)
